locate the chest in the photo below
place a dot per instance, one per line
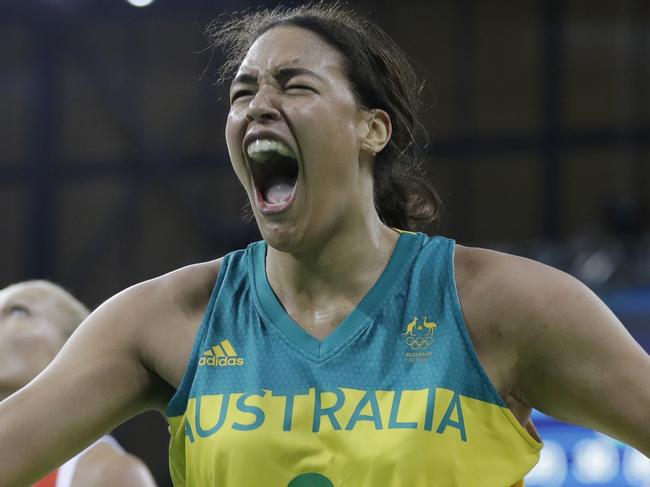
(320, 324)
(397, 402)
(393, 373)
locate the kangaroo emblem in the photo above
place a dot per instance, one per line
(410, 327)
(418, 339)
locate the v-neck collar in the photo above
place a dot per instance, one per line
(354, 323)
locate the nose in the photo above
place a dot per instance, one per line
(262, 107)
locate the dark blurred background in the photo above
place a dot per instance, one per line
(113, 167)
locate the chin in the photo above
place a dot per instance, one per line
(280, 238)
(281, 235)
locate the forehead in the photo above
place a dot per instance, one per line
(34, 294)
(289, 45)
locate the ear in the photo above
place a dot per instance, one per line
(379, 131)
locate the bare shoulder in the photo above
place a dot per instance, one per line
(188, 288)
(554, 344)
(498, 295)
(105, 465)
(513, 303)
(155, 323)
(173, 305)
(158, 305)
(519, 292)
(176, 293)
(489, 291)
(483, 267)
(183, 289)
(507, 302)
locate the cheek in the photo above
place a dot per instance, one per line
(35, 346)
(234, 131)
(234, 136)
(332, 143)
(333, 123)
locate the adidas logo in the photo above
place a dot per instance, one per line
(222, 355)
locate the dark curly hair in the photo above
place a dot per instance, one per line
(381, 76)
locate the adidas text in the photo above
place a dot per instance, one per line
(221, 362)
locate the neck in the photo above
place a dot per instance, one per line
(336, 274)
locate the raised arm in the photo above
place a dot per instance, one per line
(97, 381)
(564, 351)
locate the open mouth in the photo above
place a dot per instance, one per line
(274, 168)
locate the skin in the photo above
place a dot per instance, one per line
(36, 319)
(543, 338)
(34, 325)
(550, 343)
(105, 466)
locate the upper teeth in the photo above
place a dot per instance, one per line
(261, 149)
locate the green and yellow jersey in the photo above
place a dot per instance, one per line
(394, 397)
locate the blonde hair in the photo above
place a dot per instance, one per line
(74, 308)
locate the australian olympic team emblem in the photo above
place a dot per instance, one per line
(419, 335)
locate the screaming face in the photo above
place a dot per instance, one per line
(294, 134)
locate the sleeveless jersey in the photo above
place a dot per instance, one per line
(394, 397)
(62, 476)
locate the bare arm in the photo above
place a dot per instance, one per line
(571, 357)
(97, 381)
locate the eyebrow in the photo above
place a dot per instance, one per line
(16, 302)
(282, 74)
(245, 78)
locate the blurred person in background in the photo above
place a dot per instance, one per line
(36, 319)
(336, 352)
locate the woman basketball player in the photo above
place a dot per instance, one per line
(344, 349)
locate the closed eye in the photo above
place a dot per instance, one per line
(17, 310)
(240, 94)
(300, 89)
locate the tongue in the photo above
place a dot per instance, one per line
(278, 190)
